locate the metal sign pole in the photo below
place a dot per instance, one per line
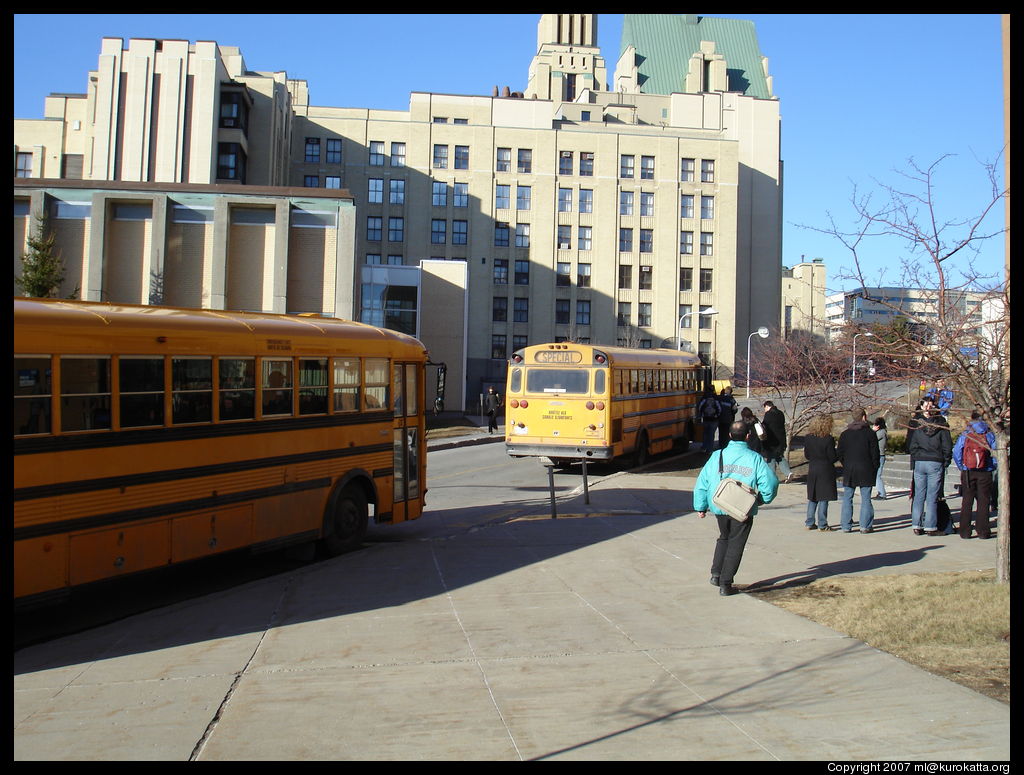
(586, 490)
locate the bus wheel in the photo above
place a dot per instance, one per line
(642, 452)
(346, 524)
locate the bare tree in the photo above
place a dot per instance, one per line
(960, 330)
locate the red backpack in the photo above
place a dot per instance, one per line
(976, 452)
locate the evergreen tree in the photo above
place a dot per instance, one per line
(42, 269)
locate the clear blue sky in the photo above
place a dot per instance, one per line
(859, 94)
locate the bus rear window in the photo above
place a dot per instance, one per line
(573, 381)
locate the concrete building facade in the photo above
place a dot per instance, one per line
(574, 212)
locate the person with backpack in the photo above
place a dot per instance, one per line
(708, 411)
(972, 454)
(931, 449)
(727, 408)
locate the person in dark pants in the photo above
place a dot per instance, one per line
(492, 401)
(973, 455)
(743, 464)
(774, 447)
(727, 414)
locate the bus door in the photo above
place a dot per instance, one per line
(406, 388)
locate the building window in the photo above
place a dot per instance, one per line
(374, 228)
(646, 278)
(563, 270)
(562, 311)
(498, 346)
(23, 165)
(707, 171)
(439, 194)
(564, 237)
(234, 113)
(625, 203)
(583, 313)
(647, 168)
(460, 196)
(565, 163)
(626, 163)
(312, 150)
(230, 162)
(646, 204)
(586, 163)
(704, 321)
(646, 240)
(500, 273)
(686, 315)
(686, 170)
(583, 242)
(625, 314)
(376, 153)
(397, 192)
(373, 258)
(565, 200)
(519, 342)
(397, 154)
(525, 161)
(396, 229)
(586, 200)
(583, 275)
(332, 181)
(334, 151)
(686, 206)
(462, 157)
(686, 243)
(522, 235)
(625, 277)
(706, 280)
(707, 243)
(501, 197)
(523, 197)
(499, 309)
(438, 231)
(503, 161)
(460, 232)
(625, 240)
(521, 310)
(501, 237)
(375, 190)
(311, 181)
(395, 260)
(685, 278)
(522, 272)
(440, 157)
(707, 208)
(643, 314)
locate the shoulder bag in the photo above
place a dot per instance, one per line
(732, 496)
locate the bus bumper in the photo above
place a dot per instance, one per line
(567, 451)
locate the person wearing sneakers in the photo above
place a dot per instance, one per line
(878, 426)
(858, 452)
(820, 451)
(739, 462)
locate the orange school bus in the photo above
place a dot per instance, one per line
(148, 436)
(573, 401)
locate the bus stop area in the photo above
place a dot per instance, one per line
(593, 636)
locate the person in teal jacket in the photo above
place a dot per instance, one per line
(743, 464)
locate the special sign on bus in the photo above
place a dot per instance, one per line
(558, 356)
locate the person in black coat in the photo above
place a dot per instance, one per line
(753, 437)
(775, 445)
(820, 451)
(858, 452)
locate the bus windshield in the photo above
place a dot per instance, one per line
(574, 381)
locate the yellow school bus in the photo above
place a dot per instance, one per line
(148, 436)
(572, 401)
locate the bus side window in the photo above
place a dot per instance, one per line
(32, 394)
(277, 386)
(237, 393)
(376, 377)
(191, 390)
(346, 384)
(312, 386)
(85, 393)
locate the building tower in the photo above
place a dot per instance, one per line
(567, 59)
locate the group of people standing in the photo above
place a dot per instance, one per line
(766, 436)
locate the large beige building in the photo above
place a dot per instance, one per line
(572, 211)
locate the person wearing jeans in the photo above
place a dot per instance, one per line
(857, 450)
(867, 510)
(878, 426)
(931, 449)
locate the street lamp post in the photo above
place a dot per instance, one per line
(763, 333)
(679, 329)
(853, 370)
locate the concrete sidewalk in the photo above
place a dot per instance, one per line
(591, 636)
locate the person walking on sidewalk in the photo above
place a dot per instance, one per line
(858, 452)
(820, 450)
(973, 455)
(931, 449)
(741, 463)
(878, 426)
(755, 431)
(492, 402)
(727, 408)
(775, 444)
(708, 410)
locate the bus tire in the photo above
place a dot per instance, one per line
(345, 524)
(642, 452)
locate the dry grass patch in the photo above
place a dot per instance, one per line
(956, 625)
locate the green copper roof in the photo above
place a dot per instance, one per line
(665, 42)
